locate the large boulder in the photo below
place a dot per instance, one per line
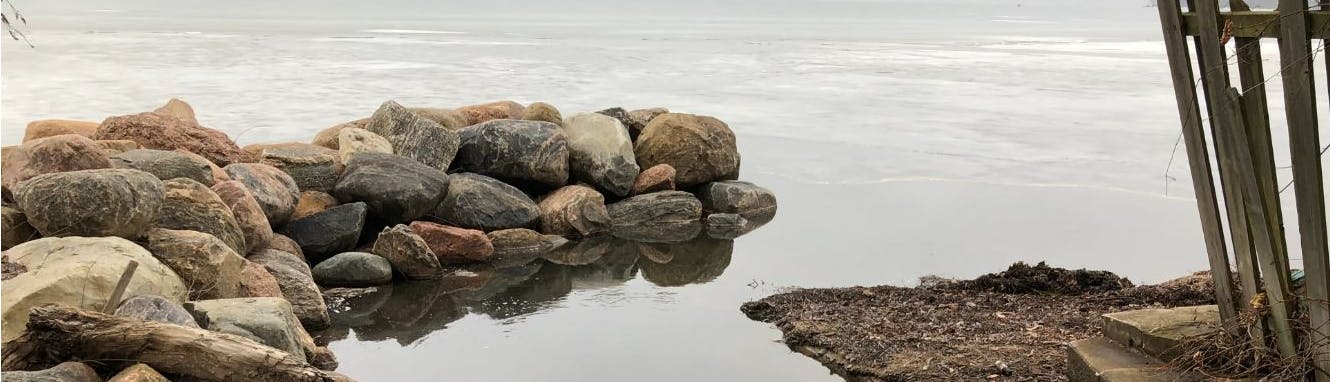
(414, 137)
(296, 281)
(667, 216)
(256, 281)
(16, 228)
(526, 154)
(408, 253)
(80, 272)
(64, 372)
(540, 111)
(60, 153)
(329, 137)
(107, 202)
(138, 373)
(753, 202)
(312, 167)
(355, 141)
(328, 233)
(490, 111)
(249, 215)
(574, 211)
(203, 262)
(700, 148)
(155, 308)
(266, 320)
(448, 118)
(52, 127)
(481, 202)
(353, 269)
(165, 132)
(165, 165)
(275, 191)
(313, 202)
(190, 205)
(396, 189)
(657, 178)
(600, 152)
(454, 245)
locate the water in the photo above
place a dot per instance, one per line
(903, 138)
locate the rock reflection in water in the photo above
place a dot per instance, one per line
(409, 311)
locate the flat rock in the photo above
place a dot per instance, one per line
(329, 137)
(275, 191)
(540, 111)
(481, 202)
(266, 320)
(165, 132)
(107, 202)
(138, 373)
(396, 189)
(600, 152)
(165, 165)
(327, 233)
(726, 226)
(409, 253)
(79, 272)
(448, 118)
(203, 262)
(454, 245)
(190, 205)
(667, 216)
(490, 111)
(353, 269)
(49, 155)
(700, 148)
(574, 211)
(178, 108)
(312, 167)
(755, 203)
(313, 202)
(657, 178)
(64, 372)
(526, 154)
(256, 281)
(296, 281)
(249, 215)
(414, 137)
(155, 308)
(17, 230)
(354, 141)
(52, 127)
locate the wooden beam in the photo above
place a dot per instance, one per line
(1198, 155)
(1260, 24)
(1295, 58)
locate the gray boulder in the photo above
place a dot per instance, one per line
(666, 216)
(155, 308)
(353, 269)
(312, 167)
(165, 165)
(91, 203)
(203, 262)
(409, 253)
(333, 231)
(414, 137)
(297, 284)
(266, 320)
(600, 152)
(275, 191)
(527, 154)
(753, 202)
(190, 205)
(481, 202)
(396, 189)
(64, 372)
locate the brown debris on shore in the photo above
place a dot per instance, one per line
(963, 330)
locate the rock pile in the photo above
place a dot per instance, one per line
(246, 240)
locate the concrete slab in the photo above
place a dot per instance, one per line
(1157, 332)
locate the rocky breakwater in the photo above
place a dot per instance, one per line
(241, 250)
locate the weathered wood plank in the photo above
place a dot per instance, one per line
(1261, 24)
(1304, 147)
(1198, 155)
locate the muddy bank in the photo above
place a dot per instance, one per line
(1010, 326)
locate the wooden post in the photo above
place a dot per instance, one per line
(1198, 157)
(119, 292)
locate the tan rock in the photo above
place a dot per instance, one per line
(700, 148)
(313, 202)
(574, 211)
(489, 111)
(249, 215)
(190, 205)
(255, 281)
(208, 267)
(53, 127)
(540, 111)
(328, 137)
(179, 109)
(138, 373)
(447, 117)
(352, 141)
(283, 243)
(118, 146)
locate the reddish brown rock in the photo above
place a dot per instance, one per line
(61, 153)
(574, 211)
(179, 109)
(700, 148)
(489, 111)
(313, 202)
(657, 178)
(283, 243)
(253, 223)
(328, 137)
(53, 127)
(255, 281)
(453, 245)
(165, 132)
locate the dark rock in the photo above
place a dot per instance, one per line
(726, 226)
(657, 178)
(16, 228)
(249, 215)
(267, 320)
(155, 308)
(353, 269)
(481, 113)
(203, 262)
(49, 155)
(312, 167)
(190, 205)
(313, 202)
(526, 154)
(667, 216)
(701, 149)
(164, 132)
(482, 202)
(409, 253)
(395, 189)
(92, 203)
(327, 233)
(296, 281)
(754, 203)
(414, 137)
(618, 113)
(64, 372)
(454, 245)
(165, 165)
(574, 211)
(275, 191)
(694, 262)
(600, 152)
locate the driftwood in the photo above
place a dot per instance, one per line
(60, 333)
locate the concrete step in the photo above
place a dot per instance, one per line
(1100, 359)
(1157, 332)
